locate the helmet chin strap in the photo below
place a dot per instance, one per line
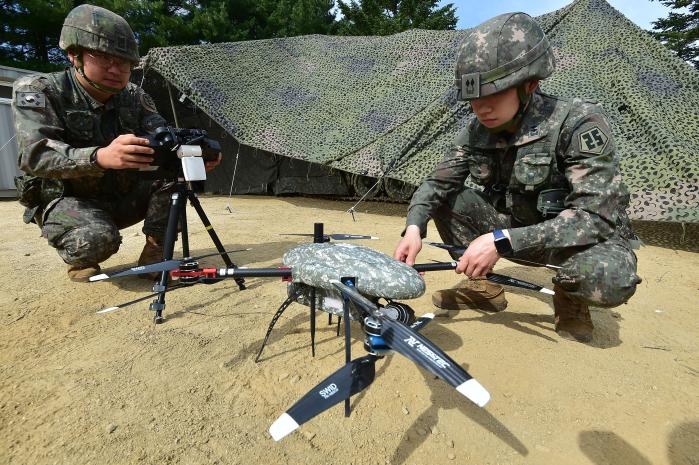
(517, 118)
(80, 68)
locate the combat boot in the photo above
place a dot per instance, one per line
(81, 274)
(572, 318)
(474, 293)
(152, 253)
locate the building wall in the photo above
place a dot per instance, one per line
(8, 145)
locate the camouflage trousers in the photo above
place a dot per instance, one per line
(86, 231)
(603, 275)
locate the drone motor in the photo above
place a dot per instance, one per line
(189, 266)
(399, 312)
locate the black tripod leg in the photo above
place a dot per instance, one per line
(183, 228)
(194, 200)
(276, 316)
(177, 203)
(313, 322)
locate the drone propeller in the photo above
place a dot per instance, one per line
(460, 251)
(420, 350)
(494, 277)
(358, 374)
(140, 299)
(159, 267)
(349, 380)
(337, 237)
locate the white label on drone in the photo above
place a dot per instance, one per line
(332, 303)
(426, 352)
(329, 391)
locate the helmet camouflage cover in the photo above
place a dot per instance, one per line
(96, 28)
(503, 52)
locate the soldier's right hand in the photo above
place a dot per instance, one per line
(409, 246)
(126, 151)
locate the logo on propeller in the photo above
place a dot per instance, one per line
(329, 391)
(426, 352)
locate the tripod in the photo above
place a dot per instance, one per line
(192, 166)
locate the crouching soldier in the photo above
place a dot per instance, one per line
(76, 132)
(551, 187)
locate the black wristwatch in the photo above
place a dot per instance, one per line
(502, 243)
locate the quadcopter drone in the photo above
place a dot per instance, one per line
(355, 283)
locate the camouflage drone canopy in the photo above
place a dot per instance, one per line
(388, 106)
(378, 275)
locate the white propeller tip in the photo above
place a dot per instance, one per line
(108, 309)
(475, 392)
(98, 277)
(547, 291)
(428, 315)
(282, 427)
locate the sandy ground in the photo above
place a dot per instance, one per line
(81, 388)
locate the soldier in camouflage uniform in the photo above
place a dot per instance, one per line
(76, 131)
(552, 191)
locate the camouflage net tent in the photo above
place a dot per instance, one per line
(376, 107)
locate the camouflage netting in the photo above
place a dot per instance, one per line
(385, 106)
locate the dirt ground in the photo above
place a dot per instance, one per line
(82, 388)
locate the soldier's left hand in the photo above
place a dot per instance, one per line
(209, 165)
(480, 257)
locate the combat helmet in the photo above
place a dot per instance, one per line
(505, 51)
(96, 28)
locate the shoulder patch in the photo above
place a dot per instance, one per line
(148, 103)
(594, 141)
(30, 99)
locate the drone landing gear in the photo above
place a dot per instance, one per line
(178, 213)
(277, 314)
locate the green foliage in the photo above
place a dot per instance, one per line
(680, 30)
(31, 28)
(384, 17)
(30, 31)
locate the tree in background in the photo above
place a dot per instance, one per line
(31, 28)
(383, 17)
(680, 31)
(29, 31)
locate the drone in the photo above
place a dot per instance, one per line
(355, 283)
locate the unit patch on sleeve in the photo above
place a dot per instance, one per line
(30, 99)
(593, 141)
(148, 103)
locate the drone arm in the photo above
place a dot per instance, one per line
(283, 272)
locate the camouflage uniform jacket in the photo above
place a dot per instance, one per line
(59, 129)
(562, 147)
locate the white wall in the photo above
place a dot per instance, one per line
(8, 154)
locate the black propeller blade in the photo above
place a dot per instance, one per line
(140, 299)
(425, 353)
(349, 380)
(460, 251)
(166, 265)
(337, 237)
(494, 277)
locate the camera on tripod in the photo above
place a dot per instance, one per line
(180, 151)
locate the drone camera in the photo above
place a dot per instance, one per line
(174, 144)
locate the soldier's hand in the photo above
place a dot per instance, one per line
(409, 246)
(126, 151)
(480, 257)
(209, 165)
